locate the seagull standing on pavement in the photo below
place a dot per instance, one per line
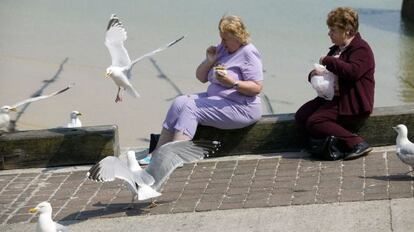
(45, 222)
(120, 69)
(5, 110)
(405, 148)
(74, 119)
(144, 183)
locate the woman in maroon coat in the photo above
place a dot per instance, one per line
(352, 60)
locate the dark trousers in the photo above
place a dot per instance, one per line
(321, 118)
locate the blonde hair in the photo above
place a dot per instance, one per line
(344, 18)
(234, 25)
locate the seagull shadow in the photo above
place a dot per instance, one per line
(268, 104)
(162, 75)
(108, 211)
(39, 92)
(397, 177)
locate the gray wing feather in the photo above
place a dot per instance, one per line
(156, 50)
(61, 228)
(111, 168)
(406, 154)
(114, 41)
(407, 149)
(41, 97)
(171, 155)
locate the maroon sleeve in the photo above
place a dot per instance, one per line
(360, 61)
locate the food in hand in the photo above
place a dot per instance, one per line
(220, 68)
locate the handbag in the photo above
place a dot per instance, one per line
(328, 148)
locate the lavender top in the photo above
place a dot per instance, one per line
(245, 64)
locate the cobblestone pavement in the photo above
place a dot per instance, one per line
(211, 185)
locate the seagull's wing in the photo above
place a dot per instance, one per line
(157, 50)
(109, 169)
(171, 155)
(61, 228)
(407, 151)
(41, 97)
(114, 41)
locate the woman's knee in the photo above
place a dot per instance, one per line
(180, 101)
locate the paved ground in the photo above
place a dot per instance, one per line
(274, 182)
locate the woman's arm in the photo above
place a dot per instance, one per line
(360, 61)
(207, 64)
(249, 88)
(203, 69)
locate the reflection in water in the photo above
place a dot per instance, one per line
(390, 20)
(386, 20)
(407, 61)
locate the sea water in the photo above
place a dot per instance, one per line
(48, 44)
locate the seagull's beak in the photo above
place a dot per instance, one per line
(395, 128)
(14, 109)
(32, 210)
(107, 75)
(79, 114)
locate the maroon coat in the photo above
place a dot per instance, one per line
(355, 69)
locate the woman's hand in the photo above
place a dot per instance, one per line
(321, 60)
(224, 79)
(211, 54)
(207, 64)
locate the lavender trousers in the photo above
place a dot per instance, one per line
(187, 111)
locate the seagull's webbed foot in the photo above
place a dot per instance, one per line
(152, 204)
(118, 96)
(118, 99)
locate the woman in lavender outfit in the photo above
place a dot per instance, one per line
(231, 100)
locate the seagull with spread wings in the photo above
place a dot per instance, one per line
(145, 183)
(5, 110)
(120, 69)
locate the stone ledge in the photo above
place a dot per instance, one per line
(57, 146)
(276, 133)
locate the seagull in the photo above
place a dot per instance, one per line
(405, 148)
(120, 69)
(111, 168)
(45, 222)
(74, 119)
(145, 183)
(6, 109)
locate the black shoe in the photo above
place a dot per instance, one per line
(153, 142)
(358, 150)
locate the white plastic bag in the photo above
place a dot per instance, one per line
(325, 84)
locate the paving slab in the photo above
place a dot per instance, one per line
(218, 186)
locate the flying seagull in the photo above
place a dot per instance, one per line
(5, 110)
(45, 222)
(74, 119)
(405, 148)
(120, 69)
(145, 183)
